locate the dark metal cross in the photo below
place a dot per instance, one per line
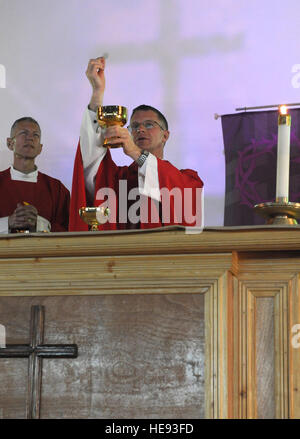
(36, 351)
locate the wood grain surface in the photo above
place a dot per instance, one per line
(265, 358)
(211, 240)
(167, 324)
(139, 357)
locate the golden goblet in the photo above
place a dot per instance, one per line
(109, 115)
(94, 216)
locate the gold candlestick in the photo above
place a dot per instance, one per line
(282, 212)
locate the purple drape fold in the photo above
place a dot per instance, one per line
(250, 143)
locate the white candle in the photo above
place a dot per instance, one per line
(283, 155)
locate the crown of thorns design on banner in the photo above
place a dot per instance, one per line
(247, 163)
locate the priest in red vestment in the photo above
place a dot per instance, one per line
(30, 200)
(151, 192)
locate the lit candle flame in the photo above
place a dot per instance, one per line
(283, 109)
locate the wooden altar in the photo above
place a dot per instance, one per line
(167, 324)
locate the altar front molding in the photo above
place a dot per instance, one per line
(168, 324)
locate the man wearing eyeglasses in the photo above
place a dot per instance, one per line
(95, 172)
(31, 201)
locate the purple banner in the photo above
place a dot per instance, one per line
(250, 142)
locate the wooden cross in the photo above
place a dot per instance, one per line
(36, 351)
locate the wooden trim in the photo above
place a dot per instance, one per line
(250, 292)
(150, 242)
(233, 346)
(153, 274)
(242, 353)
(223, 341)
(216, 346)
(294, 353)
(209, 354)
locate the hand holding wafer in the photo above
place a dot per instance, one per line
(95, 73)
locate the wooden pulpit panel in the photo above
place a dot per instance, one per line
(265, 358)
(13, 388)
(138, 356)
(13, 380)
(264, 347)
(167, 325)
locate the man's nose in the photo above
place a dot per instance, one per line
(141, 127)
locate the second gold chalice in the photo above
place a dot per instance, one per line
(109, 115)
(94, 216)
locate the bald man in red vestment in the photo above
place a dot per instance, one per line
(31, 201)
(151, 192)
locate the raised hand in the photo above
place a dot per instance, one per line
(95, 74)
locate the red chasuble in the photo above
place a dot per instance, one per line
(48, 195)
(181, 193)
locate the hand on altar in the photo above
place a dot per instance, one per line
(24, 217)
(95, 74)
(116, 134)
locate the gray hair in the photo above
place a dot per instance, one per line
(23, 119)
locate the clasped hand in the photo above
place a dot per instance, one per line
(24, 217)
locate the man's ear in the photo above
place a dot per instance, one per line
(41, 147)
(10, 142)
(166, 135)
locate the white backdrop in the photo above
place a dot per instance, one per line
(189, 58)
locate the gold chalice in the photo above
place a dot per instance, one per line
(109, 115)
(94, 216)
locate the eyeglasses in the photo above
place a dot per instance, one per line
(148, 124)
